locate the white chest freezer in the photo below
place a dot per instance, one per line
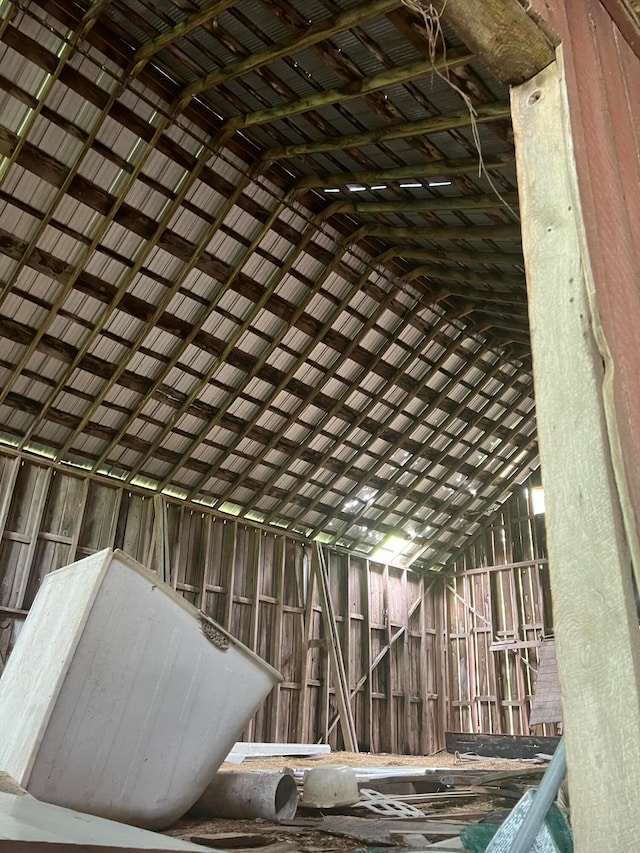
(120, 699)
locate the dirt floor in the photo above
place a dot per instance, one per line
(288, 839)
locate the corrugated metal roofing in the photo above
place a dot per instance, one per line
(184, 301)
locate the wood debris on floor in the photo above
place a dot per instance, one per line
(446, 797)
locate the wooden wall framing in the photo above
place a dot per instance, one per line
(498, 609)
(256, 583)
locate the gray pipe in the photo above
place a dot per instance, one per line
(259, 794)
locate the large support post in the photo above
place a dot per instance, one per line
(596, 623)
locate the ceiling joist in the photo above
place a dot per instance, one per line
(436, 124)
(417, 171)
(426, 205)
(295, 43)
(385, 80)
(443, 232)
(203, 16)
(460, 256)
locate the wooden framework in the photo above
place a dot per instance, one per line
(185, 308)
(260, 586)
(498, 612)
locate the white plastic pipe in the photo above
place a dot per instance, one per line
(258, 794)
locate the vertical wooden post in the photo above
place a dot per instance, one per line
(279, 568)
(303, 728)
(366, 651)
(36, 512)
(341, 689)
(228, 558)
(8, 484)
(405, 743)
(595, 617)
(346, 645)
(161, 538)
(425, 705)
(392, 727)
(77, 530)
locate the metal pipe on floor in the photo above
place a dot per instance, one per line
(255, 794)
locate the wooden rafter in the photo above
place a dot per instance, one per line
(462, 256)
(318, 499)
(300, 359)
(196, 328)
(247, 321)
(198, 19)
(436, 124)
(138, 262)
(417, 171)
(427, 205)
(429, 493)
(362, 480)
(80, 264)
(311, 398)
(442, 232)
(445, 542)
(292, 44)
(384, 80)
(294, 449)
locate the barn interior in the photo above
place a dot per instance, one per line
(265, 329)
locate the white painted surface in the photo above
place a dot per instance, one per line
(38, 664)
(24, 821)
(143, 708)
(276, 749)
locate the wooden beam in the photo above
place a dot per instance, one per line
(434, 124)
(341, 688)
(440, 232)
(286, 377)
(596, 622)
(393, 77)
(295, 43)
(462, 256)
(198, 19)
(498, 282)
(311, 397)
(415, 171)
(502, 35)
(426, 205)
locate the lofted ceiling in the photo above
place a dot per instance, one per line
(249, 260)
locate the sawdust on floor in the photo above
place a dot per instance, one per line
(368, 759)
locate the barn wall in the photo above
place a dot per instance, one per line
(498, 608)
(255, 583)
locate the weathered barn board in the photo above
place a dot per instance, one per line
(498, 611)
(501, 746)
(547, 701)
(257, 584)
(603, 94)
(596, 621)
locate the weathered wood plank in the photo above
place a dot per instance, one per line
(596, 620)
(500, 746)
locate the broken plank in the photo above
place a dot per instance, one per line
(500, 746)
(379, 831)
